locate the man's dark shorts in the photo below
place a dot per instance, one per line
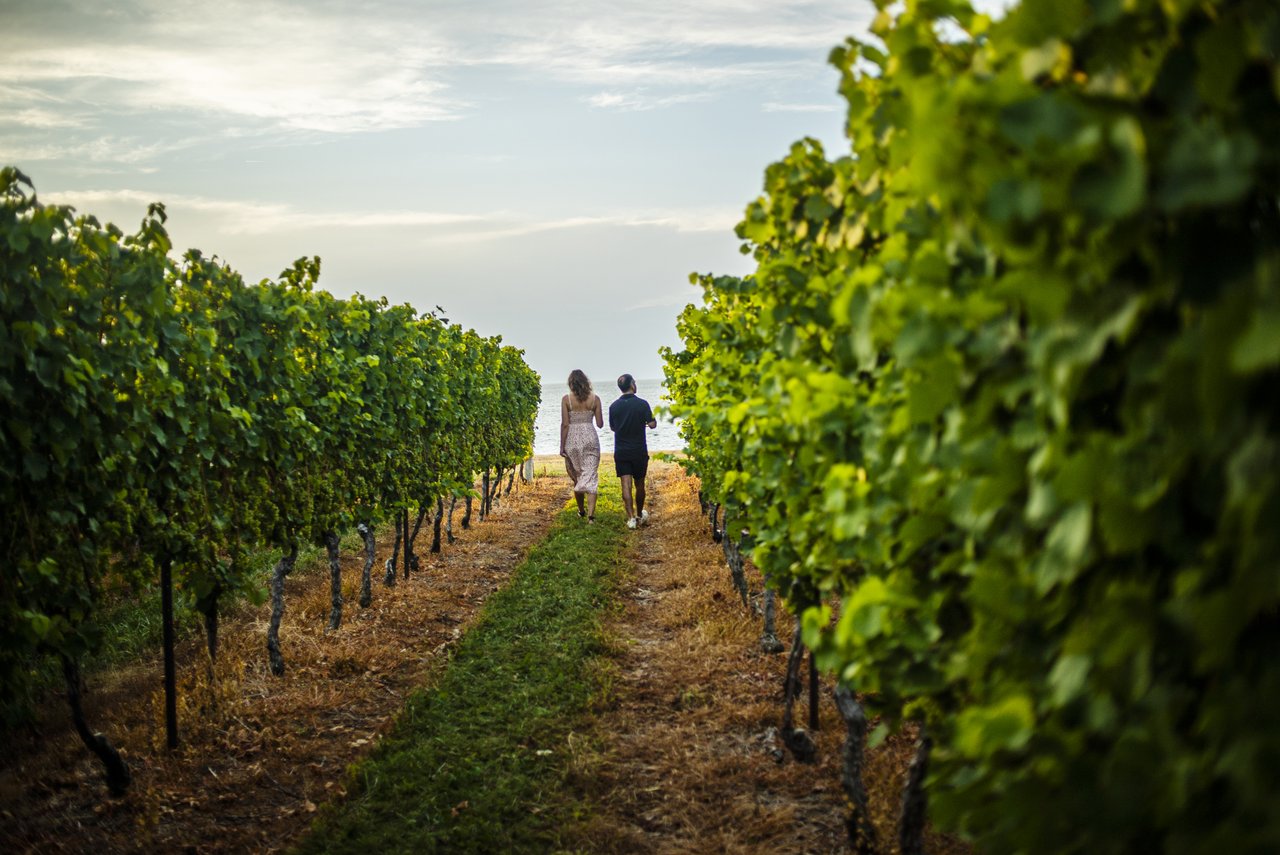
(636, 467)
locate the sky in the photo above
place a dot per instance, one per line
(550, 172)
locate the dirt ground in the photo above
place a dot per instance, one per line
(690, 760)
(260, 753)
(685, 755)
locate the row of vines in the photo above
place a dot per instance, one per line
(1000, 410)
(163, 420)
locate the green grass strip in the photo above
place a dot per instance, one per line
(478, 763)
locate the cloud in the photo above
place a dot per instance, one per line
(692, 219)
(238, 217)
(703, 46)
(325, 70)
(42, 118)
(775, 107)
(640, 100)
(90, 149)
(670, 32)
(506, 227)
(272, 66)
(441, 227)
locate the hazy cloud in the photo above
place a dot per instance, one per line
(272, 66)
(640, 100)
(274, 62)
(504, 227)
(245, 217)
(774, 107)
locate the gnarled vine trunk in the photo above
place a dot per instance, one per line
(366, 575)
(448, 528)
(813, 692)
(466, 517)
(862, 834)
(208, 608)
(495, 490)
(915, 803)
(113, 765)
(733, 557)
(389, 579)
(283, 567)
(335, 580)
(408, 546)
(797, 741)
(411, 557)
(435, 535)
(769, 641)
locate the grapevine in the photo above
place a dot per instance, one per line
(1002, 382)
(164, 419)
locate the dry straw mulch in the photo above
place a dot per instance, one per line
(260, 753)
(689, 753)
(685, 729)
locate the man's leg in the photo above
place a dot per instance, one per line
(626, 495)
(640, 472)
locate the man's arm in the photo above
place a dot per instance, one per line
(652, 422)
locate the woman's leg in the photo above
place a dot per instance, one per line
(591, 504)
(579, 497)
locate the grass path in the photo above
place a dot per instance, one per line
(481, 761)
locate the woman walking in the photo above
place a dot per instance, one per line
(579, 442)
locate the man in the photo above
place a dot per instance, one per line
(628, 417)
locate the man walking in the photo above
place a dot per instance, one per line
(628, 417)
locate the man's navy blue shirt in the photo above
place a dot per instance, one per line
(628, 417)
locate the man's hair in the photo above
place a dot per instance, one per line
(625, 382)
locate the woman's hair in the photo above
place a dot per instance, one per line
(579, 385)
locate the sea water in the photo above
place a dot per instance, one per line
(546, 430)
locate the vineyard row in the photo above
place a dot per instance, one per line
(998, 409)
(161, 420)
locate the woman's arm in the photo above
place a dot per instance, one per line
(599, 413)
(564, 423)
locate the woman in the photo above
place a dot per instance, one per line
(579, 442)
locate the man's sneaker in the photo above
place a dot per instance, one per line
(631, 523)
(644, 517)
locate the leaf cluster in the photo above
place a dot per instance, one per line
(1004, 381)
(165, 411)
